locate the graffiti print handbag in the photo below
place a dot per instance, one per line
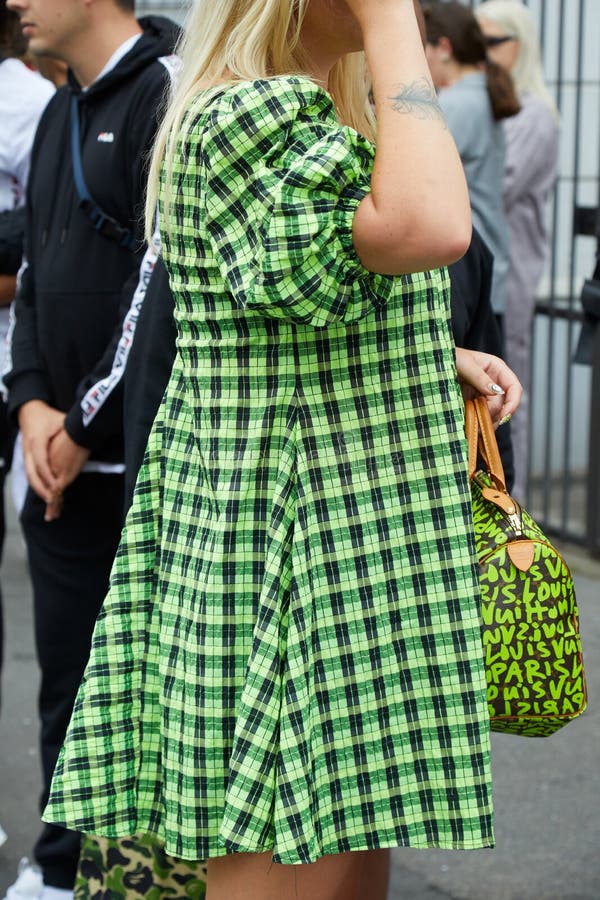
(533, 659)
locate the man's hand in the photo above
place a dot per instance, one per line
(67, 459)
(39, 423)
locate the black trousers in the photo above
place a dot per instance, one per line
(2, 536)
(70, 562)
(7, 439)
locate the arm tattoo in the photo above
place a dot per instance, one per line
(418, 99)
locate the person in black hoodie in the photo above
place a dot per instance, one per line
(83, 262)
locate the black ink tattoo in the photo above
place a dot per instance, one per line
(418, 99)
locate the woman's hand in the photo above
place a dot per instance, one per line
(482, 373)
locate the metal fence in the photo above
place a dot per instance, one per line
(564, 482)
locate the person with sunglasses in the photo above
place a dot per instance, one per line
(532, 144)
(476, 95)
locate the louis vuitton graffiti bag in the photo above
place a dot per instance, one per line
(533, 659)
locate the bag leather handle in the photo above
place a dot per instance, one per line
(482, 437)
(472, 431)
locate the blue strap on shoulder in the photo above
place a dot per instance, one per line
(102, 222)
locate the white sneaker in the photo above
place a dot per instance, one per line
(29, 884)
(53, 893)
(3, 836)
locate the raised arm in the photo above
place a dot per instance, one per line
(417, 215)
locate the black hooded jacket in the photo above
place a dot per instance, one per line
(474, 324)
(78, 283)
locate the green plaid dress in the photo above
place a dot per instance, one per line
(289, 657)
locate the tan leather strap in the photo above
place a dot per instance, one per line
(488, 445)
(472, 430)
(481, 436)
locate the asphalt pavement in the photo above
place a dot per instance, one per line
(546, 791)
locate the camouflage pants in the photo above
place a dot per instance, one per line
(130, 868)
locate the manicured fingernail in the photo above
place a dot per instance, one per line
(495, 388)
(505, 419)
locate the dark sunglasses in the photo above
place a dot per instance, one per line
(500, 39)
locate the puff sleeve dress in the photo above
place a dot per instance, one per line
(289, 657)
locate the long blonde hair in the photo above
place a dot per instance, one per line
(227, 41)
(527, 74)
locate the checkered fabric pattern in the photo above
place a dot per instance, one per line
(289, 657)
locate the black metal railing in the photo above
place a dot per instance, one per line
(564, 459)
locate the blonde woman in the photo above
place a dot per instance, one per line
(286, 678)
(532, 139)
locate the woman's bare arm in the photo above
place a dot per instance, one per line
(417, 215)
